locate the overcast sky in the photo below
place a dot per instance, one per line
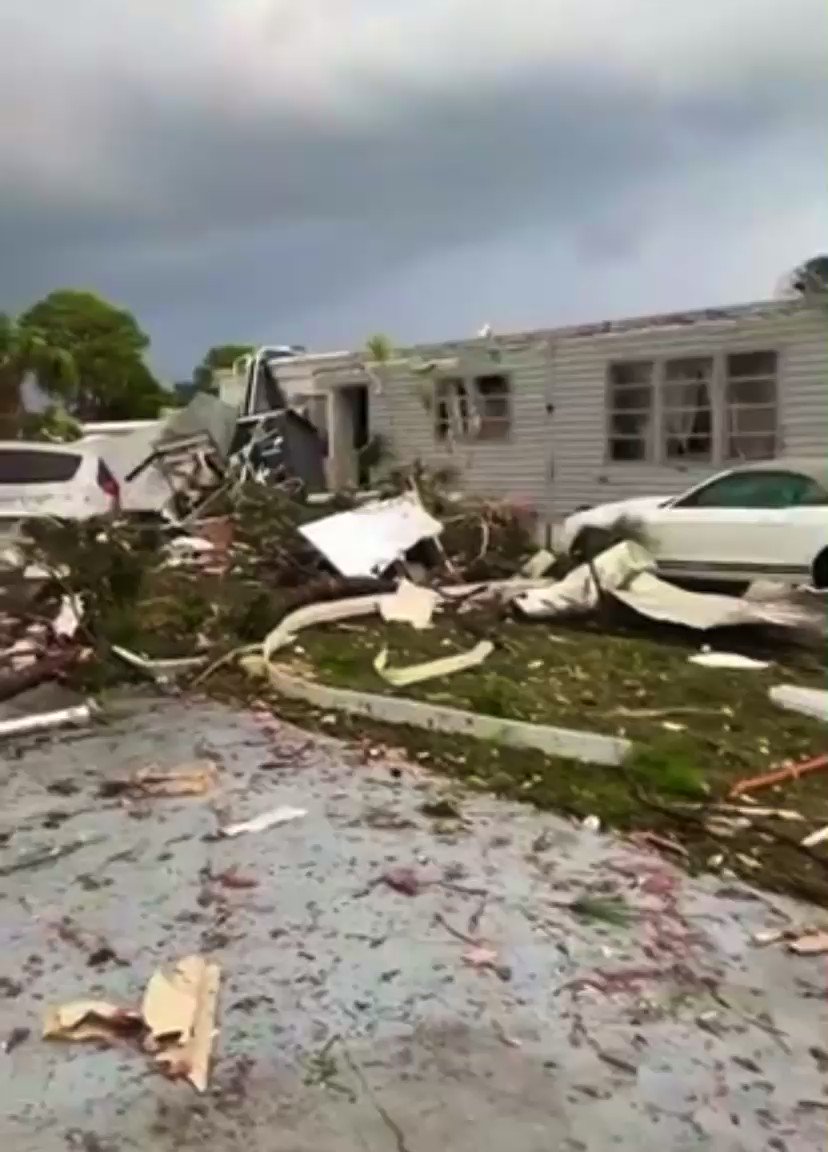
(317, 170)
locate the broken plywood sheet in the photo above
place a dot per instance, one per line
(410, 604)
(367, 540)
(90, 1020)
(176, 1022)
(179, 1011)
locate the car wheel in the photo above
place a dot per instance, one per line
(820, 570)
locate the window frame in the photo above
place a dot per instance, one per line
(480, 399)
(611, 410)
(727, 353)
(665, 409)
(655, 439)
(473, 401)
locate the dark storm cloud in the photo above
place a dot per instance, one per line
(215, 217)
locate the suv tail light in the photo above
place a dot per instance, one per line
(108, 484)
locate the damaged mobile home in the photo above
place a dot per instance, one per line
(558, 419)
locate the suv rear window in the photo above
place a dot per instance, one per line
(28, 466)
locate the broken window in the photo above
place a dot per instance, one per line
(751, 405)
(493, 414)
(452, 414)
(630, 402)
(686, 407)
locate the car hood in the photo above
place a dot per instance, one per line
(603, 515)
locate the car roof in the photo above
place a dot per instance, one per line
(814, 466)
(76, 447)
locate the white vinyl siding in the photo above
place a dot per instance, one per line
(583, 473)
(556, 456)
(509, 468)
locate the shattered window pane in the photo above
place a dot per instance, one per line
(494, 418)
(629, 402)
(687, 414)
(751, 406)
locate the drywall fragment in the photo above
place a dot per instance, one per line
(69, 617)
(366, 541)
(91, 1020)
(179, 1011)
(410, 604)
(815, 838)
(814, 944)
(194, 779)
(282, 815)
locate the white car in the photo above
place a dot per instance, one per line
(758, 521)
(67, 481)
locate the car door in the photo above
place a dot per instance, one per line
(732, 526)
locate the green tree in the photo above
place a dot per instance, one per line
(54, 425)
(26, 351)
(219, 357)
(379, 348)
(107, 346)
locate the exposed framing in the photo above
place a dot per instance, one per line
(473, 409)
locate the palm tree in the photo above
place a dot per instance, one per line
(25, 352)
(379, 348)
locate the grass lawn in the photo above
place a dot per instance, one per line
(695, 730)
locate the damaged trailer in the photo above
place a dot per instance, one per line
(208, 447)
(567, 418)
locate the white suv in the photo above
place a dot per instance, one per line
(66, 481)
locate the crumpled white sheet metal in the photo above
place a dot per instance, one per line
(627, 572)
(807, 701)
(366, 541)
(734, 661)
(431, 669)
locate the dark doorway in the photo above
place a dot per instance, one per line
(357, 400)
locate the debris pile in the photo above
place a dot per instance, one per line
(437, 615)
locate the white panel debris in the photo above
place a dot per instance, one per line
(367, 540)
